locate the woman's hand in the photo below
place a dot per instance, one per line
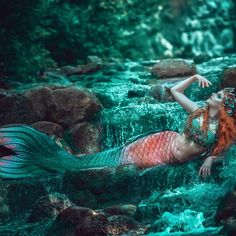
(205, 169)
(203, 82)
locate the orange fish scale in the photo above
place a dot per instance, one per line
(154, 149)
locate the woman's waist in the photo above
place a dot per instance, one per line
(184, 149)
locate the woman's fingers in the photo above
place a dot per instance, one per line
(204, 171)
(202, 82)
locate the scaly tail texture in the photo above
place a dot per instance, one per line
(33, 153)
(152, 150)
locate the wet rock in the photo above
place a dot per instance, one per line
(226, 208)
(68, 106)
(94, 64)
(161, 93)
(77, 221)
(127, 209)
(121, 224)
(85, 221)
(48, 128)
(106, 100)
(38, 98)
(228, 78)
(84, 138)
(173, 68)
(15, 108)
(49, 206)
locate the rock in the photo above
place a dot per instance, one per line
(49, 206)
(38, 98)
(48, 128)
(68, 106)
(127, 209)
(228, 78)
(226, 208)
(77, 221)
(84, 221)
(94, 64)
(84, 138)
(161, 93)
(173, 68)
(121, 224)
(15, 108)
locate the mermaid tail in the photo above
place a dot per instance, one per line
(32, 153)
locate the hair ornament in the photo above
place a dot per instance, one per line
(229, 101)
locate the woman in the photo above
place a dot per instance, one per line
(208, 132)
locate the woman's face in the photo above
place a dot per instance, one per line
(215, 99)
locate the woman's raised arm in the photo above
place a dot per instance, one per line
(178, 89)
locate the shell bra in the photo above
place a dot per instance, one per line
(204, 139)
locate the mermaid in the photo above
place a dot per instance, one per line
(208, 132)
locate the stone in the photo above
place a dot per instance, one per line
(226, 208)
(15, 108)
(48, 128)
(49, 206)
(228, 78)
(121, 224)
(94, 64)
(173, 68)
(79, 221)
(161, 93)
(38, 98)
(68, 106)
(126, 209)
(84, 138)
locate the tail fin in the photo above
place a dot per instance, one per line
(30, 153)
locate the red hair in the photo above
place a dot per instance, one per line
(226, 131)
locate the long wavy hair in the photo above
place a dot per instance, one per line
(226, 131)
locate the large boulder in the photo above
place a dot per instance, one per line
(68, 106)
(15, 108)
(228, 78)
(77, 221)
(38, 98)
(173, 68)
